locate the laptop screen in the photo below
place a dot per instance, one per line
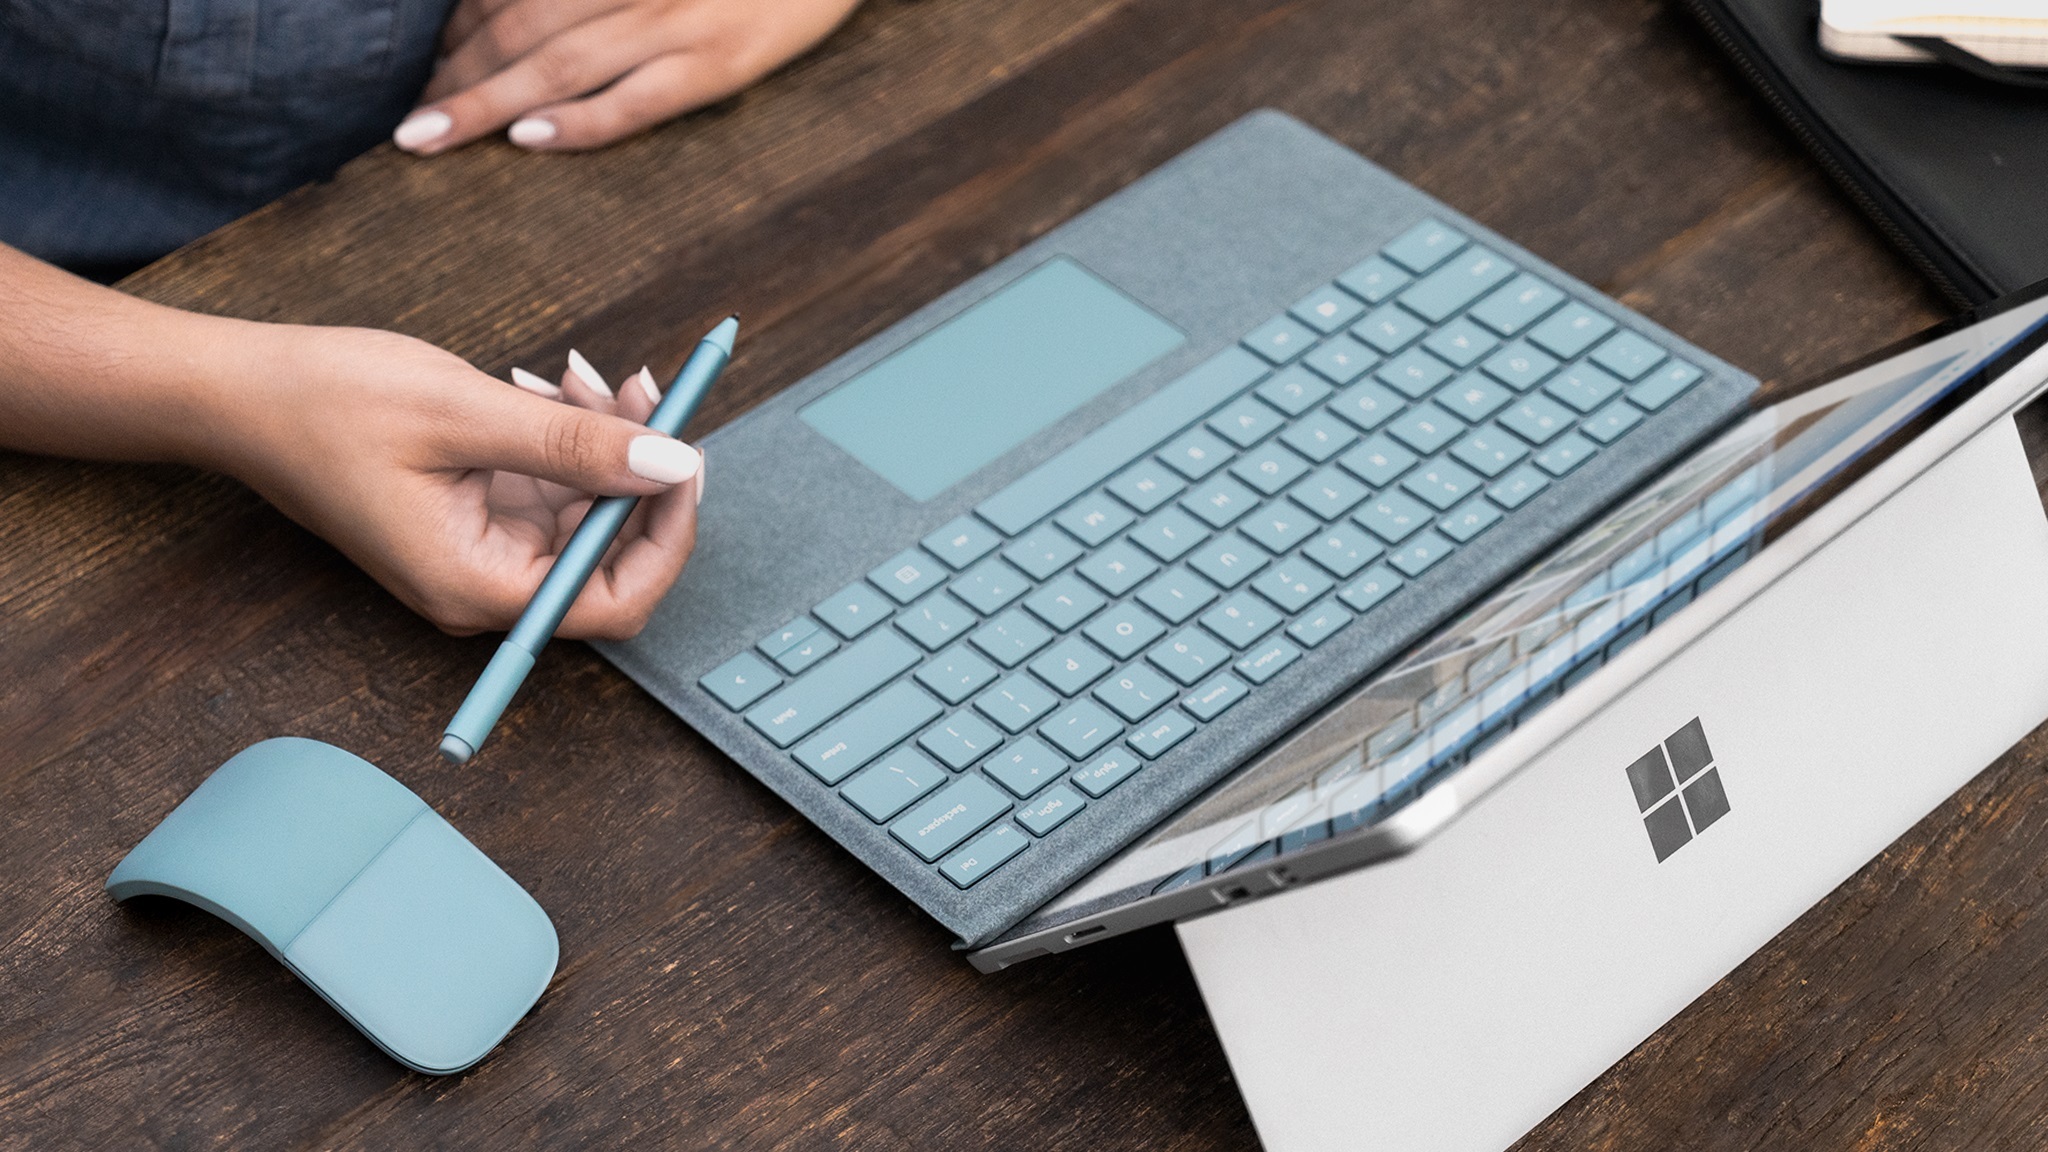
(1416, 722)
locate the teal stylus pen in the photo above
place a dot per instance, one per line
(579, 558)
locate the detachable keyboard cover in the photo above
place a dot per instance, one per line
(1263, 217)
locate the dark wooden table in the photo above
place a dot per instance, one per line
(729, 977)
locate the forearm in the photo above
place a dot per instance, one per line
(90, 372)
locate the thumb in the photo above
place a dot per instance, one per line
(508, 430)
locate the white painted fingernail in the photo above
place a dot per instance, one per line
(531, 133)
(420, 129)
(646, 379)
(662, 460)
(703, 466)
(587, 374)
(535, 384)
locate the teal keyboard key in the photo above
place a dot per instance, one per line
(1245, 421)
(1329, 493)
(786, 637)
(1118, 568)
(990, 586)
(1280, 339)
(1426, 428)
(1176, 594)
(1229, 560)
(1214, 696)
(818, 646)
(1474, 398)
(1105, 772)
(1584, 387)
(1146, 485)
(1393, 517)
(935, 620)
(957, 673)
(1368, 405)
(1388, 329)
(1516, 304)
(1292, 584)
(1188, 656)
(1469, 520)
(1161, 733)
(1026, 766)
(1219, 501)
(1124, 629)
(1424, 246)
(1135, 692)
(1168, 535)
(1318, 436)
(961, 542)
(1445, 292)
(1293, 390)
(1044, 552)
(1374, 280)
(1050, 811)
(1565, 454)
(940, 822)
(989, 851)
(1537, 419)
(960, 740)
(1265, 661)
(1379, 461)
(1278, 527)
(1442, 483)
(1519, 366)
(1064, 603)
(1340, 360)
(1269, 469)
(1461, 342)
(1661, 386)
(1081, 729)
(1515, 489)
(1017, 703)
(1378, 583)
(867, 731)
(1414, 373)
(740, 681)
(1490, 451)
(1326, 309)
(853, 609)
(1242, 620)
(893, 785)
(907, 575)
(1608, 424)
(1570, 330)
(1342, 551)
(1420, 553)
(1628, 355)
(1011, 638)
(1122, 439)
(1094, 518)
(1197, 453)
(1070, 666)
(795, 710)
(1319, 624)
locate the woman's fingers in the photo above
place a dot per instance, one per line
(579, 60)
(623, 594)
(506, 430)
(504, 34)
(656, 91)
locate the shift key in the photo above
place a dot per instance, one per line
(795, 710)
(955, 812)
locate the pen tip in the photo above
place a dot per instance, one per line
(723, 335)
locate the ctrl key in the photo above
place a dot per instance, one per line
(985, 855)
(959, 810)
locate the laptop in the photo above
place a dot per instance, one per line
(995, 597)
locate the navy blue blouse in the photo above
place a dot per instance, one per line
(128, 127)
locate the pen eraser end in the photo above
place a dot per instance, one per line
(455, 749)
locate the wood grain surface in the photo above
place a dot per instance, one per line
(729, 977)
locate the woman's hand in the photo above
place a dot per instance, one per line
(454, 490)
(569, 74)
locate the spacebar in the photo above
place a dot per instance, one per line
(1140, 428)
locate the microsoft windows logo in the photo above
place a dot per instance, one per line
(1675, 780)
